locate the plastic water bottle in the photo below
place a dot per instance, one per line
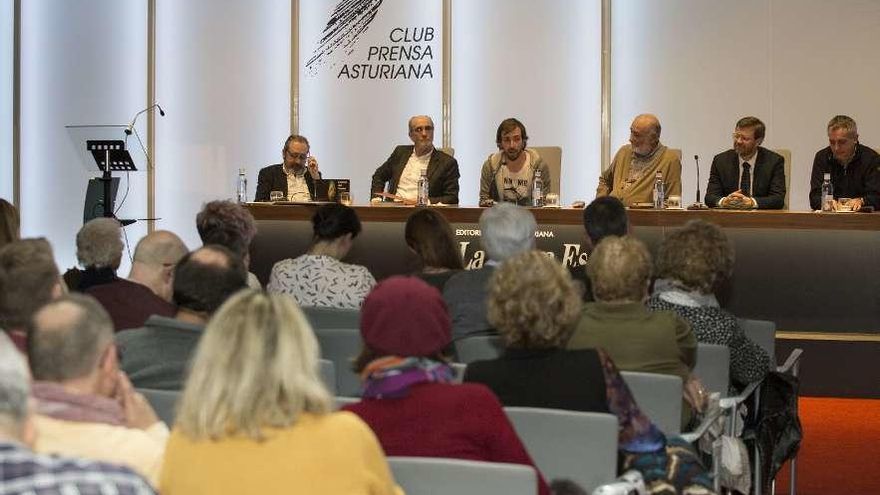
(538, 190)
(659, 191)
(827, 194)
(422, 199)
(242, 186)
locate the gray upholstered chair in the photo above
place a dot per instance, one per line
(478, 348)
(435, 476)
(713, 367)
(164, 402)
(658, 396)
(341, 346)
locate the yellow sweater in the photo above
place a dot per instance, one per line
(332, 454)
(615, 180)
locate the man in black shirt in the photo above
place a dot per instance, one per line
(854, 168)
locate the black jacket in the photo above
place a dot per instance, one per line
(273, 178)
(768, 184)
(442, 175)
(860, 179)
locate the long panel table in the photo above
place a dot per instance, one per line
(806, 271)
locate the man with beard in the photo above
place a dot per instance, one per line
(631, 175)
(747, 176)
(401, 171)
(509, 174)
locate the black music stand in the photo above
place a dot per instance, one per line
(110, 156)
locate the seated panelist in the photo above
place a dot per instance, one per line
(854, 168)
(290, 176)
(509, 174)
(401, 171)
(748, 176)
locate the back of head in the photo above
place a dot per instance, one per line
(429, 234)
(14, 388)
(605, 216)
(99, 243)
(533, 302)
(404, 316)
(10, 223)
(697, 256)
(207, 277)
(256, 367)
(620, 269)
(67, 337)
(29, 279)
(507, 229)
(159, 248)
(334, 221)
(227, 224)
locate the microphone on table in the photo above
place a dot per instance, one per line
(698, 205)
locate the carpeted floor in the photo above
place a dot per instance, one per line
(840, 452)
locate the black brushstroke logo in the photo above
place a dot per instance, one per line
(350, 20)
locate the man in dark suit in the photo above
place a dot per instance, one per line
(402, 169)
(290, 176)
(747, 176)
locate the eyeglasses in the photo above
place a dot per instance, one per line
(297, 156)
(424, 128)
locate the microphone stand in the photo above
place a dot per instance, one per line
(698, 205)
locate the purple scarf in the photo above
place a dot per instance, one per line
(391, 377)
(54, 401)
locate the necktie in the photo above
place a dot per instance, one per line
(746, 180)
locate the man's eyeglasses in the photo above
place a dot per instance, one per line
(297, 156)
(424, 128)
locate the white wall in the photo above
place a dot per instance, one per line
(81, 63)
(223, 78)
(701, 65)
(540, 65)
(6, 79)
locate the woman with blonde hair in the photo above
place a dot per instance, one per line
(255, 418)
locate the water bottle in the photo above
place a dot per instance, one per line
(659, 191)
(827, 194)
(242, 186)
(538, 190)
(422, 199)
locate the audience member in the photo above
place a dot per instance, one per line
(147, 291)
(409, 399)
(506, 230)
(429, 235)
(29, 279)
(87, 407)
(692, 262)
(10, 223)
(158, 355)
(534, 305)
(232, 226)
(319, 277)
(605, 216)
(22, 472)
(636, 338)
(255, 418)
(99, 251)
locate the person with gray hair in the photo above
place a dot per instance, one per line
(147, 291)
(506, 230)
(232, 226)
(854, 168)
(99, 252)
(29, 279)
(86, 407)
(24, 472)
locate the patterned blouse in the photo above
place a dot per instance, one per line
(323, 281)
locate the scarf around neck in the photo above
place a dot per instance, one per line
(392, 377)
(54, 401)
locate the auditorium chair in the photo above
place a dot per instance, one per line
(552, 156)
(164, 402)
(477, 348)
(341, 346)
(658, 396)
(434, 475)
(713, 367)
(786, 156)
(580, 446)
(328, 375)
(332, 317)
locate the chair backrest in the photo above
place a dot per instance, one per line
(763, 333)
(713, 367)
(658, 396)
(786, 156)
(552, 156)
(332, 317)
(448, 151)
(341, 346)
(344, 401)
(458, 369)
(478, 348)
(328, 375)
(580, 446)
(164, 402)
(434, 476)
